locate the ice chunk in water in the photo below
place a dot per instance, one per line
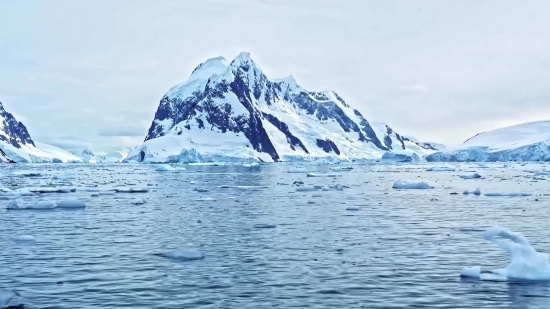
(508, 194)
(40, 205)
(131, 190)
(473, 176)
(544, 173)
(164, 168)
(323, 175)
(525, 262)
(477, 191)
(71, 203)
(168, 168)
(352, 208)
(206, 199)
(137, 201)
(184, 255)
(471, 272)
(411, 185)
(440, 169)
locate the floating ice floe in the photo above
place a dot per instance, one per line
(440, 169)
(317, 195)
(323, 175)
(477, 191)
(106, 193)
(51, 190)
(223, 186)
(411, 185)
(201, 190)
(71, 204)
(19, 204)
(525, 262)
(130, 190)
(473, 176)
(184, 255)
(352, 208)
(297, 171)
(137, 201)
(544, 173)
(249, 187)
(10, 299)
(18, 192)
(168, 168)
(206, 199)
(265, 226)
(508, 194)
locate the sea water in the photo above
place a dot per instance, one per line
(189, 248)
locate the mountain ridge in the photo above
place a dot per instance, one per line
(280, 121)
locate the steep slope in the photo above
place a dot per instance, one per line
(16, 144)
(523, 142)
(230, 111)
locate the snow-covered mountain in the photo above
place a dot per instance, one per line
(231, 111)
(16, 144)
(105, 157)
(523, 142)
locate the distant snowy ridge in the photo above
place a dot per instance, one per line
(523, 142)
(230, 111)
(17, 146)
(105, 157)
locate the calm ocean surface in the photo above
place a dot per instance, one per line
(402, 249)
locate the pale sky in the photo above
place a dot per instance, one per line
(90, 74)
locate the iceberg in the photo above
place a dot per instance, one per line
(525, 262)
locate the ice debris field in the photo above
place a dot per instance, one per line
(73, 232)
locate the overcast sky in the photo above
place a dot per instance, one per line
(90, 74)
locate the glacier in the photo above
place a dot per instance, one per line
(230, 111)
(523, 142)
(90, 156)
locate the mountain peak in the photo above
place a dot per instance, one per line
(235, 111)
(242, 59)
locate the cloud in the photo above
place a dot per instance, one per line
(436, 70)
(121, 132)
(416, 88)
